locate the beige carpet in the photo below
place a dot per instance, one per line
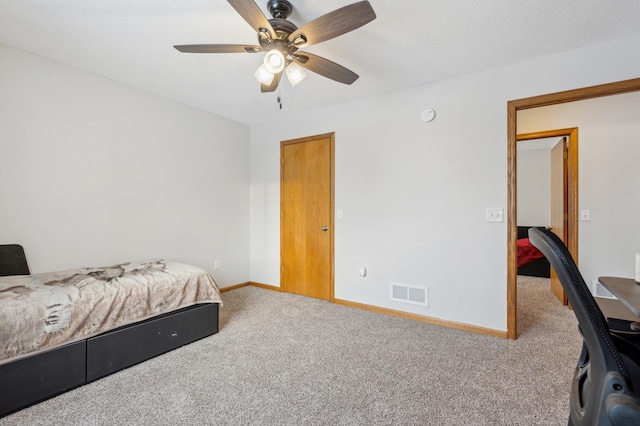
(281, 359)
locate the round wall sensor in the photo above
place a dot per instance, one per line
(428, 114)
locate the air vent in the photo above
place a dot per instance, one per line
(409, 294)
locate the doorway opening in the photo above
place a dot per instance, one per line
(513, 107)
(563, 195)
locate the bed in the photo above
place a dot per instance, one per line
(61, 330)
(531, 261)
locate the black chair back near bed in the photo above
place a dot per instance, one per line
(602, 390)
(12, 260)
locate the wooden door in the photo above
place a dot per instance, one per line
(559, 205)
(306, 221)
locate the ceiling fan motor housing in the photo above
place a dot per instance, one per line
(280, 10)
(282, 27)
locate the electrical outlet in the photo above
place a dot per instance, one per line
(216, 264)
(363, 272)
(494, 215)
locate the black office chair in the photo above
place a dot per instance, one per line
(12, 260)
(602, 390)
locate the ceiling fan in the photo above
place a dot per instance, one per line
(281, 39)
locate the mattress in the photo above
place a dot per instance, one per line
(43, 311)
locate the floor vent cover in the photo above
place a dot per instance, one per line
(409, 294)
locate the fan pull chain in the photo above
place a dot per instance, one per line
(280, 101)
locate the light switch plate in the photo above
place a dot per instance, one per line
(585, 215)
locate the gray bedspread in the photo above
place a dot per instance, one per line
(42, 311)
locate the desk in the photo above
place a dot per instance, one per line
(626, 290)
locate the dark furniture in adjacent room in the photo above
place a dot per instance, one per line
(531, 262)
(607, 376)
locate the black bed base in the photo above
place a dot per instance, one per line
(536, 268)
(35, 378)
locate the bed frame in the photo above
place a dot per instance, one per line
(34, 378)
(537, 268)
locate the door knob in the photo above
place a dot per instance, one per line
(325, 228)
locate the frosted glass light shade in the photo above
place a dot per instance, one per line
(274, 61)
(295, 73)
(263, 75)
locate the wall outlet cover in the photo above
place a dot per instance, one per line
(495, 215)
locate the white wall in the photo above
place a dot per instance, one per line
(93, 172)
(608, 177)
(414, 194)
(534, 187)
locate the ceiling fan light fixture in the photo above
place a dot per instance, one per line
(295, 73)
(274, 61)
(263, 75)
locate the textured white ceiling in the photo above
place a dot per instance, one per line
(411, 42)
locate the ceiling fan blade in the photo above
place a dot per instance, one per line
(274, 84)
(333, 24)
(217, 48)
(251, 13)
(325, 67)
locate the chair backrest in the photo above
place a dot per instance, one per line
(602, 390)
(12, 260)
